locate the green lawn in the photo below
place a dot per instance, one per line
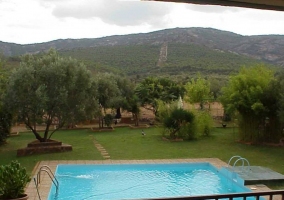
(125, 143)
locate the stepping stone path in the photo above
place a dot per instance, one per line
(101, 149)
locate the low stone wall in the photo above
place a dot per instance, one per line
(37, 147)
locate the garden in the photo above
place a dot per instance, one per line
(125, 143)
(54, 97)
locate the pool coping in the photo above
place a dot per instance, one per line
(45, 182)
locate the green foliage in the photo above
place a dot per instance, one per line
(244, 90)
(133, 105)
(183, 60)
(130, 59)
(195, 58)
(150, 90)
(50, 88)
(198, 91)
(280, 110)
(13, 179)
(108, 91)
(177, 119)
(108, 120)
(203, 122)
(250, 93)
(5, 115)
(126, 98)
(165, 110)
(5, 124)
(216, 85)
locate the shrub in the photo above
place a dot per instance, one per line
(108, 120)
(5, 125)
(178, 122)
(13, 179)
(204, 122)
(164, 110)
(189, 130)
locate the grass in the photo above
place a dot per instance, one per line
(125, 143)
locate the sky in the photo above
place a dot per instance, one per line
(37, 21)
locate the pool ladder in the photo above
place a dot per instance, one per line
(46, 169)
(237, 159)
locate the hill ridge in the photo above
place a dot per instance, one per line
(268, 48)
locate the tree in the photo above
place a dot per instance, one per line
(133, 106)
(5, 115)
(129, 100)
(108, 93)
(216, 85)
(250, 93)
(197, 91)
(126, 88)
(280, 104)
(152, 89)
(50, 89)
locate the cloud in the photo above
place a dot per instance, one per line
(212, 9)
(121, 13)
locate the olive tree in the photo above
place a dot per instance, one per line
(49, 89)
(151, 89)
(108, 92)
(5, 115)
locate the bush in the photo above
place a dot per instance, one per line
(178, 123)
(5, 125)
(190, 131)
(13, 179)
(165, 110)
(108, 120)
(203, 122)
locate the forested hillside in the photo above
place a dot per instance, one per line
(185, 51)
(182, 60)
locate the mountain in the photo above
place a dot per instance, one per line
(268, 48)
(170, 51)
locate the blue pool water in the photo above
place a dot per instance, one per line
(134, 181)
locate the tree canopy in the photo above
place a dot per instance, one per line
(198, 90)
(152, 89)
(250, 93)
(49, 89)
(5, 116)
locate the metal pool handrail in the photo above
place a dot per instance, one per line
(46, 169)
(231, 196)
(232, 159)
(239, 158)
(50, 174)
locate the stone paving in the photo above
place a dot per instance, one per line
(101, 149)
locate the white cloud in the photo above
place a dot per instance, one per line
(32, 21)
(212, 9)
(121, 13)
(239, 20)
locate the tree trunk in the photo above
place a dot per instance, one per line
(136, 120)
(99, 122)
(38, 137)
(173, 134)
(118, 113)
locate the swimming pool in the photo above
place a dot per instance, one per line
(134, 181)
